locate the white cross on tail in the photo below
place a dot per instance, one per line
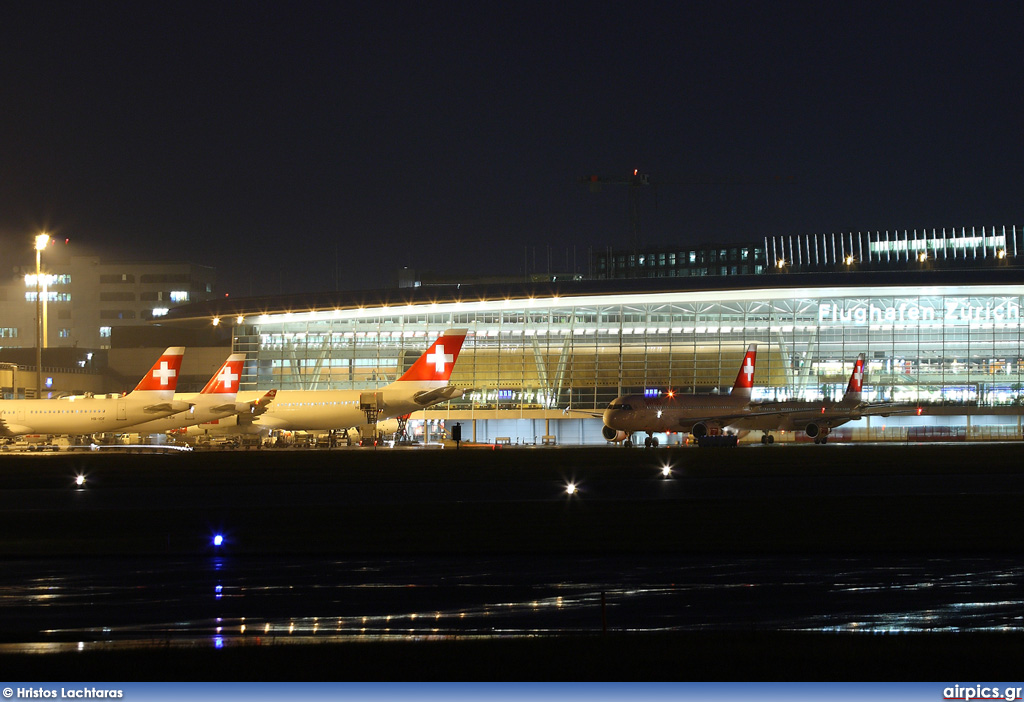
(227, 377)
(439, 358)
(748, 370)
(164, 373)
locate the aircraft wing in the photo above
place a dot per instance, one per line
(256, 408)
(425, 398)
(172, 407)
(234, 407)
(721, 419)
(583, 413)
(260, 405)
(7, 429)
(884, 409)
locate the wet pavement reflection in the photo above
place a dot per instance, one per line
(220, 600)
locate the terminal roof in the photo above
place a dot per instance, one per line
(202, 312)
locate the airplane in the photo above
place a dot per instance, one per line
(216, 400)
(699, 414)
(816, 419)
(152, 398)
(423, 385)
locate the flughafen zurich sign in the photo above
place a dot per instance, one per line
(952, 311)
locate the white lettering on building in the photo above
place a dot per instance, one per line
(953, 312)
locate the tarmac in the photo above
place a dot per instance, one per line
(341, 503)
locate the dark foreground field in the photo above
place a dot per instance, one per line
(757, 499)
(765, 500)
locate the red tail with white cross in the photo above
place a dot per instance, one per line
(163, 376)
(745, 378)
(225, 380)
(853, 390)
(437, 362)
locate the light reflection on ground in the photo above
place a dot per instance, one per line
(51, 605)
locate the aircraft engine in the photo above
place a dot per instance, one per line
(700, 429)
(815, 430)
(613, 434)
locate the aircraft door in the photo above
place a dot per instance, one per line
(122, 409)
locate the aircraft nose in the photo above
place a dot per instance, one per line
(613, 411)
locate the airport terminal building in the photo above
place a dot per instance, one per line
(937, 314)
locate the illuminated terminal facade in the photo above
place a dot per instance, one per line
(938, 318)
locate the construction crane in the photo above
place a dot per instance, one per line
(634, 184)
(637, 182)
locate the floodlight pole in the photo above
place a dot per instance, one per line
(41, 241)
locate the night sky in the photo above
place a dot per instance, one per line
(297, 144)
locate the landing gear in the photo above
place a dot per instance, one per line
(767, 439)
(651, 442)
(821, 439)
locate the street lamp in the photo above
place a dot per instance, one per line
(42, 240)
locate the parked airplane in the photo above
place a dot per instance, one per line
(215, 401)
(423, 385)
(817, 419)
(699, 414)
(152, 398)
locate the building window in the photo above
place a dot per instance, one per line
(8, 332)
(179, 296)
(49, 297)
(64, 333)
(117, 314)
(164, 278)
(104, 332)
(117, 297)
(117, 278)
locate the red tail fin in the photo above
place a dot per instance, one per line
(745, 377)
(856, 384)
(225, 380)
(439, 360)
(164, 373)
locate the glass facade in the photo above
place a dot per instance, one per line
(941, 344)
